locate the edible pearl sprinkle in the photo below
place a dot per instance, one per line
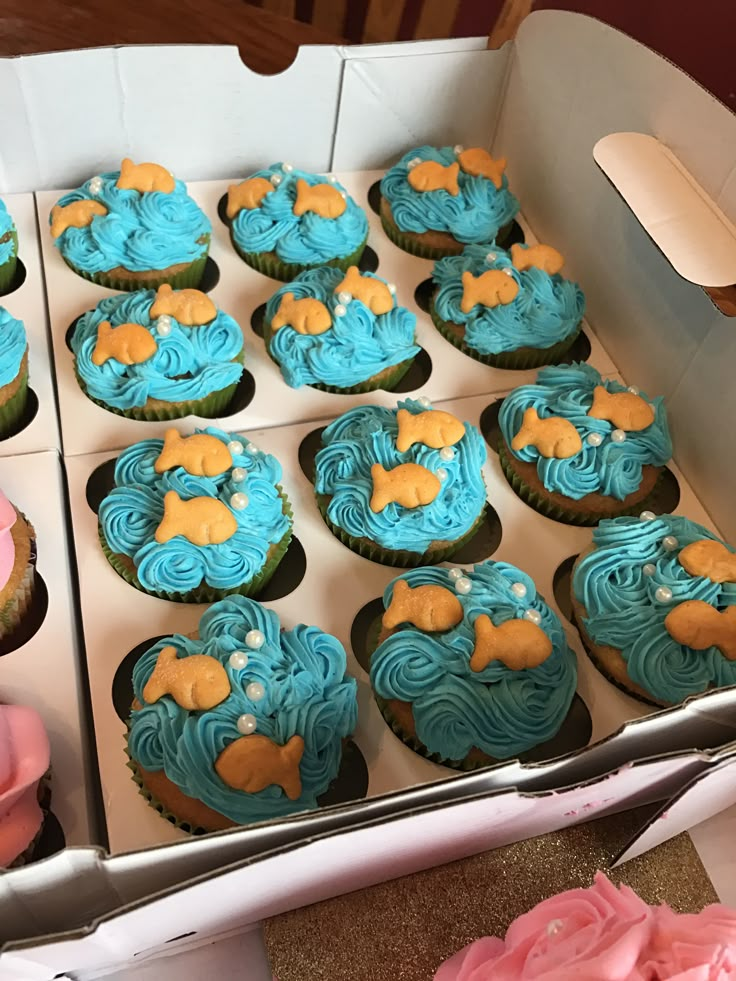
(458, 148)
(95, 185)
(287, 167)
(255, 691)
(509, 271)
(618, 435)
(669, 543)
(441, 473)
(234, 447)
(255, 639)
(647, 516)
(252, 449)
(649, 569)
(391, 288)
(332, 179)
(633, 389)
(594, 439)
(275, 179)
(246, 724)
(344, 195)
(455, 574)
(533, 616)
(163, 325)
(663, 594)
(340, 310)
(491, 257)
(238, 659)
(447, 453)
(239, 501)
(344, 297)
(519, 589)
(463, 586)
(413, 162)
(424, 402)
(238, 475)
(553, 927)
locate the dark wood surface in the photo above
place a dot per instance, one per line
(267, 41)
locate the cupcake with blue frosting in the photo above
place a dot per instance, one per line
(401, 486)
(244, 722)
(132, 228)
(340, 332)
(507, 309)
(579, 448)
(284, 221)
(158, 354)
(195, 518)
(8, 249)
(437, 200)
(471, 666)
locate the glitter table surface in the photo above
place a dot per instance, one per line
(402, 930)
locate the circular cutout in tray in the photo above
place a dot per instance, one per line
(19, 277)
(562, 586)
(210, 276)
(30, 412)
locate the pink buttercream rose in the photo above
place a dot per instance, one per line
(691, 946)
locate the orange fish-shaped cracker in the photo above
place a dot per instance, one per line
(624, 410)
(202, 521)
(198, 682)
(479, 163)
(306, 316)
(144, 177)
(248, 195)
(201, 455)
(518, 644)
(323, 199)
(255, 762)
(542, 257)
(433, 176)
(553, 437)
(410, 485)
(709, 559)
(699, 625)
(374, 293)
(433, 428)
(191, 308)
(491, 289)
(126, 344)
(430, 608)
(78, 214)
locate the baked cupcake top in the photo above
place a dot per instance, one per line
(603, 434)
(443, 490)
(273, 715)
(24, 758)
(107, 223)
(8, 241)
(663, 592)
(479, 655)
(301, 226)
(132, 347)
(351, 330)
(536, 309)
(471, 204)
(224, 541)
(13, 345)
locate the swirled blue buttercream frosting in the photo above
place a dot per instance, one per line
(367, 435)
(306, 692)
(140, 232)
(498, 710)
(608, 467)
(546, 310)
(617, 583)
(358, 345)
(130, 514)
(13, 346)
(308, 239)
(8, 246)
(189, 364)
(476, 214)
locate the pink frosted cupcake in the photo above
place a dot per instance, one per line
(24, 760)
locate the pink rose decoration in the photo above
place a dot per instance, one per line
(692, 947)
(24, 758)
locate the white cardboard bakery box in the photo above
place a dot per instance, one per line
(546, 102)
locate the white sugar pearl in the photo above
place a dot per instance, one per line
(287, 167)
(234, 447)
(246, 724)
(238, 660)
(463, 586)
(239, 501)
(633, 389)
(344, 195)
(459, 148)
(553, 927)
(332, 179)
(441, 473)
(447, 453)
(238, 475)
(413, 162)
(647, 516)
(519, 589)
(255, 691)
(509, 271)
(455, 574)
(340, 310)
(618, 436)
(95, 185)
(649, 569)
(276, 179)
(594, 439)
(163, 325)
(669, 543)
(252, 449)
(491, 257)
(391, 288)
(663, 594)
(344, 297)
(533, 616)
(255, 639)
(424, 402)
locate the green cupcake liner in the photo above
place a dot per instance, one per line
(512, 360)
(414, 247)
(154, 802)
(269, 264)
(586, 519)
(7, 269)
(205, 593)
(187, 278)
(16, 608)
(12, 411)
